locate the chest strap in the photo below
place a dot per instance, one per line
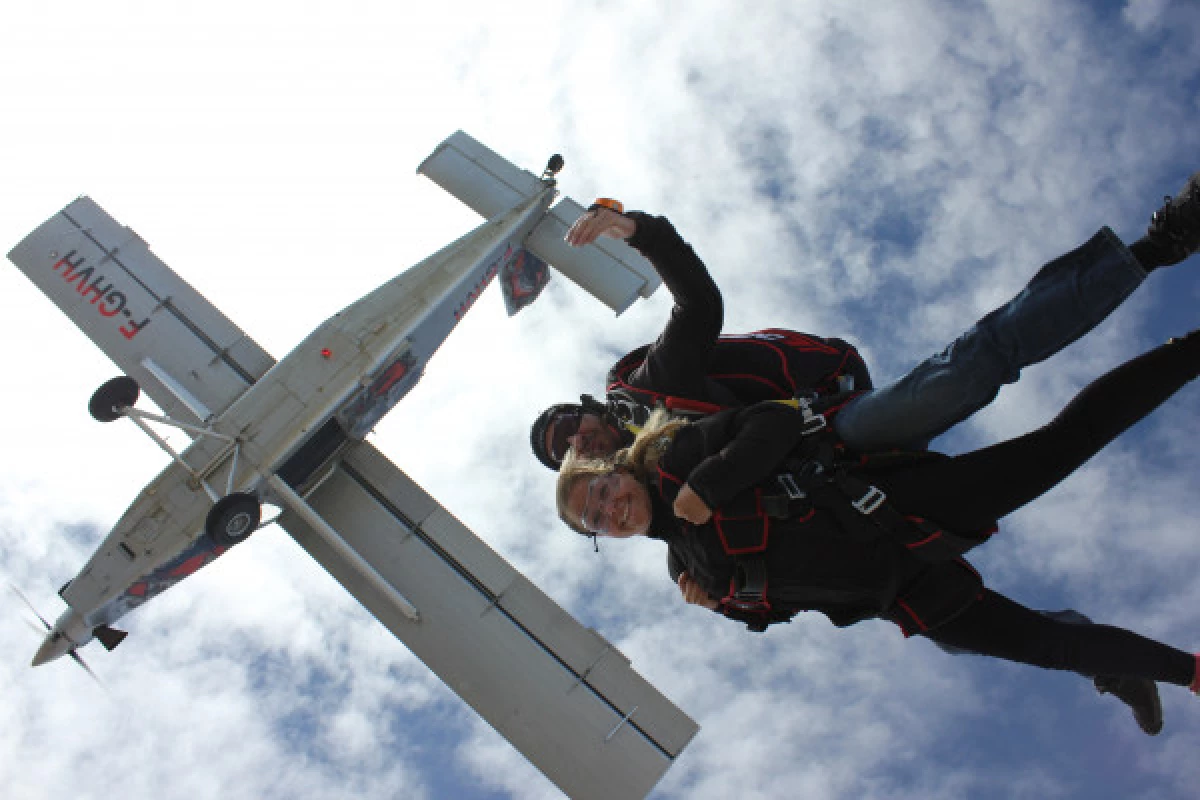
(803, 475)
(861, 508)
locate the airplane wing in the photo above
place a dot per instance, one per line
(186, 355)
(559, 692)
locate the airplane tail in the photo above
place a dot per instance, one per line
(612, 271)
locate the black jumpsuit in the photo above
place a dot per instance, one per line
(692, 367)
(964, 493)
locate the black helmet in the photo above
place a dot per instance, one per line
(537, 434)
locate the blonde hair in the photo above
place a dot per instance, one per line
(639, 460)
(651, 442)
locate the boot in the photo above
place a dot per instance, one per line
(1140, 694)
(1174, 232)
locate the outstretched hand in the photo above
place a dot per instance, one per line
(693, 594)
(600, 222)
(690, 507)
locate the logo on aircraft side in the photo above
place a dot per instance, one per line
(484, 280)
(108, 301)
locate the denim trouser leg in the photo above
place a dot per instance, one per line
(1066, 299)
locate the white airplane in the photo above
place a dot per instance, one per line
(292, 434)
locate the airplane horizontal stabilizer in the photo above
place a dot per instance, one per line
(612, 271)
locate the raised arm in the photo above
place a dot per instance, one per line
(677, 361)
(600, 221)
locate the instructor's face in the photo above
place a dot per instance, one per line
(585, 432)
(614, 505)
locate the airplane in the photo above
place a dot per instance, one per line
(291, 434)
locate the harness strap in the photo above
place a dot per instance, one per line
(801, 479)
(924, 539)
(793, 501)
(749, 584)
(870, 501)
(747, 598)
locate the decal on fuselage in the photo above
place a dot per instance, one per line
(360, 414)
(109, 301)
(367, 407)
(476, 290)
(202, 552)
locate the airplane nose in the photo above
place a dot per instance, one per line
(55, 646)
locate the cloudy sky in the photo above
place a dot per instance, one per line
(885, 172)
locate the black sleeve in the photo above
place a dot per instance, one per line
(677, 361)
(743, 448)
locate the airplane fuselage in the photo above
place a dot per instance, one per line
(326, 394)
(291, 434)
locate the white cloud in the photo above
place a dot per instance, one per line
(886, 177)
(1144, 15)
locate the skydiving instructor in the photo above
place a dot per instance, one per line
(688, 368)
(1064, 300)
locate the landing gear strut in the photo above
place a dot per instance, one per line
(232, 517)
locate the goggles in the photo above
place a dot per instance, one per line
(597, 515)
(565, 426)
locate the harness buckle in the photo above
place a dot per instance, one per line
(870, 502)
(788, 482)
(812, 424)
(748, 590)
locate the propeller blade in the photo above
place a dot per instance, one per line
(21, 595)
(79, 660)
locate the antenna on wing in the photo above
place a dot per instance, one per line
(78, 659)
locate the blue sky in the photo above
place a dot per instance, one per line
(885, 176)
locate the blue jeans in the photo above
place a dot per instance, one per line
(1066, 298)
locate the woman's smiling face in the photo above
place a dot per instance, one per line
(614, 505)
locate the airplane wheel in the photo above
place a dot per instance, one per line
(233, 518)
(117, 393)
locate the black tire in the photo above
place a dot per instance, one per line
(233, 518)
(117, 393)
